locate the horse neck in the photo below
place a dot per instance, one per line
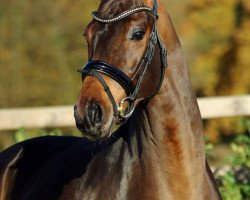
(173, 115)
(168, 133)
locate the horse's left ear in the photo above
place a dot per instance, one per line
(149, 3)
(8, 171)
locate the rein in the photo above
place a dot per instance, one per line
(97, 67)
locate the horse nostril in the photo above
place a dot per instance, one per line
(77, 116)
(95, 114)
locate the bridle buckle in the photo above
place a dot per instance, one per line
(130, 107)
(153, 38)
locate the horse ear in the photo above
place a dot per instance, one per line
(148, 3)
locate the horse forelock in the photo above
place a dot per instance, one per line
(110, 8)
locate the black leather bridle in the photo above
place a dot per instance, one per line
(96, 67)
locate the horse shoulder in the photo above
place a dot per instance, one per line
(40, 167)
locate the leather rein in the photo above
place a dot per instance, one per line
(96, 67)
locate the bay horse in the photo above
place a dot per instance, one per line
(158, 150)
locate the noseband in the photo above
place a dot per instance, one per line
(96, 68)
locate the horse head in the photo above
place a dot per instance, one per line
(126, 65)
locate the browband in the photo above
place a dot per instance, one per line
(123, 14)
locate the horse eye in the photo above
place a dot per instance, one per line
(138, 35)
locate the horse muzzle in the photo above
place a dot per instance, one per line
(91, 124)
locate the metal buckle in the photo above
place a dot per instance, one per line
(153, 38)
(164, 56)
(130, 100)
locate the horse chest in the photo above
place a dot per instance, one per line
(123, 189)
(121, 180)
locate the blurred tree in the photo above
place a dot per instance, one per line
(41, 47)
(218, 45)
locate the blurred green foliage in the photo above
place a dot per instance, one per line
(241, 147)
(41, 46)
(9, 138)
(235, 183)
(231, 190)
(22, 134)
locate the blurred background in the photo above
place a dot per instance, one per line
(41, 46)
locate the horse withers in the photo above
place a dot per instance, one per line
(136, 77)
